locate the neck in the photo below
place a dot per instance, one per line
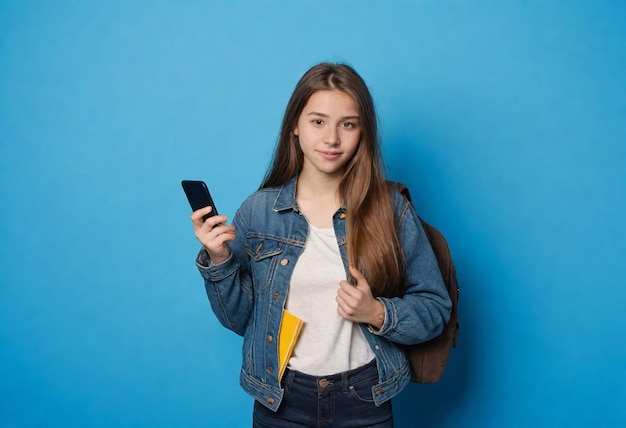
(323, 187)
(318, 199)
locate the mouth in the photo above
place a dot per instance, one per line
(329, 155)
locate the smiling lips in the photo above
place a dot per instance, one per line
(330, 155)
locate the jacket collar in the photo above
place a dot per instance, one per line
(286, 198)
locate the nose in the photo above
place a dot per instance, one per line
(331, 136)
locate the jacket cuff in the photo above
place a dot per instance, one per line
(209, 270)
(390, 318)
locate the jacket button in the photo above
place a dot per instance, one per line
(259, 247)
(379, 392)
(284, 262)
(268, 369)
(270, 401)
(270, 339)
(342, 216)
(275, 296)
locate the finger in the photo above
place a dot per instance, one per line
(208, 233)
(348, 289)
(217, 236)
(213, 222)
(197, 215)
(356, 273)
(346, 295)
(217, 248)
(343, 308)
(221, 240)
(343, 313)
(227, 233)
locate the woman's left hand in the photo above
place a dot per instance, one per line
(356, 302)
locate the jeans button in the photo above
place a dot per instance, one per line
(323, 383)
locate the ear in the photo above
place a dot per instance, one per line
(295, 131)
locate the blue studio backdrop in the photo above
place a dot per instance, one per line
(507, 119)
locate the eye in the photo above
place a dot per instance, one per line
(348, 125)
(317, 121)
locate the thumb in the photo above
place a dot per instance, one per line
(356, 274)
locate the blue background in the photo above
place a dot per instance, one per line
(506, 119)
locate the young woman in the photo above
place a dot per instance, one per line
(328, 240)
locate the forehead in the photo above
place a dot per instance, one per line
(331, 102)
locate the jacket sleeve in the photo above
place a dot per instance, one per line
(424, 309)
(229, 284)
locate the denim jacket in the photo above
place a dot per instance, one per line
(247, 292)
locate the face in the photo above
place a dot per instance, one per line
(329, 132)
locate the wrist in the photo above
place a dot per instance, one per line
(217, 259)
(378, 318)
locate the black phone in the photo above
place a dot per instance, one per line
(198, 196)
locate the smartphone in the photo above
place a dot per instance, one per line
(198, 196)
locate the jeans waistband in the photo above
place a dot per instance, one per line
(322, 384)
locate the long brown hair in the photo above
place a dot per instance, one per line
(372, 238)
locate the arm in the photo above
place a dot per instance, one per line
(424, 309)
(222, 262)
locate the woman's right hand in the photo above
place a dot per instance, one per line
(213, 234)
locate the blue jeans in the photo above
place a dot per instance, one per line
(339, 400)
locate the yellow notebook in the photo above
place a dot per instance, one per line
(290, 327)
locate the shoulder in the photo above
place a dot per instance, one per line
(262, 210)
(401, 205)
(260, 200)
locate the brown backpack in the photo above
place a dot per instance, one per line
(428, 359)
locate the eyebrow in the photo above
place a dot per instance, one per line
(315, 113)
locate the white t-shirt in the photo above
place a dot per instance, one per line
(328, 343)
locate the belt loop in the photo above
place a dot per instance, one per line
(344, 382)
(288, 377)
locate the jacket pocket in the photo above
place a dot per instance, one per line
(262, 251)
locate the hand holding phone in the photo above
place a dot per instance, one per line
(199, 196)
(213, 235)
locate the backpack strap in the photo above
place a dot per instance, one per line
(400, 187)
(404, 191)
